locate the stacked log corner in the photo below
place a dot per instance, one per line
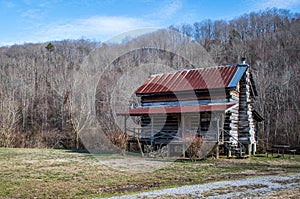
(246, 125)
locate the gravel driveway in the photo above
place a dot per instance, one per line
(287, 186)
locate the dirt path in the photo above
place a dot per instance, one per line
(279, 186)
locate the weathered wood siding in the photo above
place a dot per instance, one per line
(191, 122)
(189, 95)
(162, 122)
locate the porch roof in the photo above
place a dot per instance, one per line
(175, 109)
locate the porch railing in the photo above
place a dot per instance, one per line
(171, 135)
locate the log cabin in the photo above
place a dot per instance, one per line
(215, 103)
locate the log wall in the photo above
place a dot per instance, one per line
(238, 120)
(184, 96)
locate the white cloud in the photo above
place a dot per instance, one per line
(119, 38)
(33, 13)
(96, 27)
(171, 8)
(165, 11)
(7, 4)
(285, 4)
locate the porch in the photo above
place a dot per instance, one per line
(173, 133)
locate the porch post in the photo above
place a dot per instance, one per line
(222, 126)
(182, 134)
(218, 139)
(125, 128)
(152, 130)
(125, 121)
(218, 130)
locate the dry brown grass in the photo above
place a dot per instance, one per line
(45, 173)
(286, 194)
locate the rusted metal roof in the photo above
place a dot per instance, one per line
(176, 109)
(194, 79)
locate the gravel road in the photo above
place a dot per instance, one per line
(256, 187)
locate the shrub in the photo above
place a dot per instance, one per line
(194, 148)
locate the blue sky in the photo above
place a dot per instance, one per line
(33, 21)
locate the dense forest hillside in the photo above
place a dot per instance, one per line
(37, 80)
(270, 41)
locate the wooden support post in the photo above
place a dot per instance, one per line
(218, 130)
(125, 121)
(182, 134)
(152, 131)
(218, 138)
(228, 153)
(217, 152)
(253, 148)
(249, 149)
(241, 150)
(125, 133)
(140, 146)
(168, 150)
(222, 126)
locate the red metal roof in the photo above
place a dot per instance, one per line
(176, 109)
(194, 79)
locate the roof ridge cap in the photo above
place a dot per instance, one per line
(192, 69)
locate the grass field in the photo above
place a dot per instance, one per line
(48, 173)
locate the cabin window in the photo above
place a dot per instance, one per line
(205, 118)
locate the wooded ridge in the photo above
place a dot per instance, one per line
(36, 80)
